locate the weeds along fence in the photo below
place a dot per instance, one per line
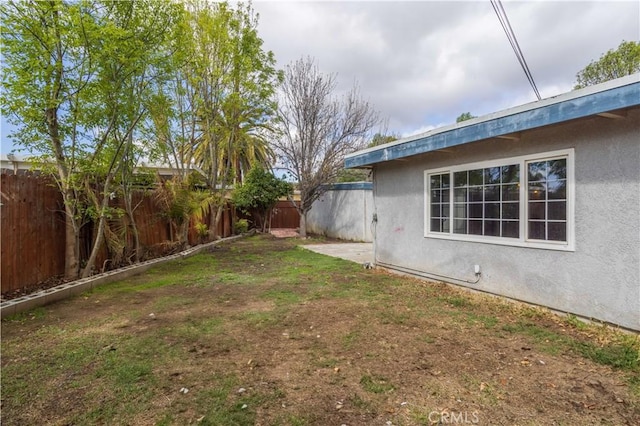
(32, 230)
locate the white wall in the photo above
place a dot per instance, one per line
(600, 279)
(345, 212)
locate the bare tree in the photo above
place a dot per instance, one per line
(318, 129)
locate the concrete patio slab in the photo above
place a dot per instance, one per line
(355, 252)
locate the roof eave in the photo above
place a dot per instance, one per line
(610, 96)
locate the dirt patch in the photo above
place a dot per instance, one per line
(284, 233)
(260, 332)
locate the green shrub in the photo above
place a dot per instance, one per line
(202, 230)
(241, 226)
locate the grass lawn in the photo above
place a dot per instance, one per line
(260, 331)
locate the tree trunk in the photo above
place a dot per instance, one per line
(214, 221)
(218, 219)
(72, 228)
(266, 227)
(184, 233)
(134, 227)
(72, 245)
(259, 222)
(100, 234)
(303, 224)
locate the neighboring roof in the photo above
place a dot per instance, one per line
(601, 98)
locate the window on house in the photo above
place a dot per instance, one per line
(439, 202)
(547, 200)
(519, 201)
(485, 201)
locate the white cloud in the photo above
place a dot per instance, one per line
(424, 63)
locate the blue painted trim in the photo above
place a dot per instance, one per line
(590, 104)
(349, 186)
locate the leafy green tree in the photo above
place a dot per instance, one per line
(47, 81)
(80, 98)
(353, 175)
(214, 115)
(381, 139)
(91, 86)
(625, 60)
(464, 117)
(259, 193)
(131, 54)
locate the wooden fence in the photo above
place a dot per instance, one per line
(285, 215)
(32, 230)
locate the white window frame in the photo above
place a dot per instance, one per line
(522, 241)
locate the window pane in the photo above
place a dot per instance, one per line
(475, 194)
(435, 225)
(444, 211)
(557, 189)
(435, 210)
(557, 169)
(537, 171)
(445, 180)
(445, 195)
(557, 210)
(435, 181)
(475, 227)
(460, 179)
(510, 229)
(475, 210)
(460, 195)
(557, 231)
(475, 177)
(435, 196)
(511, 174)
(536, 210)
(460, 226)
(445, 225)
(511, 192)
(460, 210)
(537, 191)
(536, 230)
(510, 210)
(492, 175)
(492, 210)
(492, 193)
(492, 228)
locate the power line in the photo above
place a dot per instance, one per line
(506, 26)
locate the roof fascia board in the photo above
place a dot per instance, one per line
(349, 186)
(617, 94)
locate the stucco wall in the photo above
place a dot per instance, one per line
(343, 212)
(600, 279)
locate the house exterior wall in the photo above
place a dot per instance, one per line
(599, 279)
(343, 212)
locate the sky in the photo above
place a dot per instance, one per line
(423, 63)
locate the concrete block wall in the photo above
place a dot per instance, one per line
(344, 211)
